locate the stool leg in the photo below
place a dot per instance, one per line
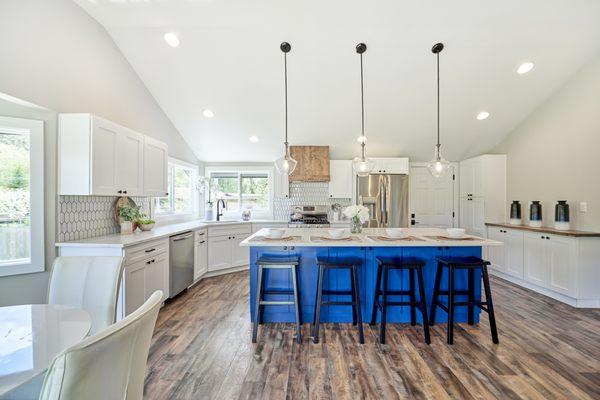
(436, 291)
(413, 314)
(376, 297)
(257, 301)
(356, 304)
(353, 291)
(490, 306)
(318, 306)
(383, 306)
(423, 305)
(450, 305)
(471, 289)
(296, 303)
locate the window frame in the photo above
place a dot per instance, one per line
(35, 130)
(171, 214)
(247, 169)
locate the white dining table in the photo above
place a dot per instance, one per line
(31, 336)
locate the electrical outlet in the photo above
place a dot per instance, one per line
(583, 207)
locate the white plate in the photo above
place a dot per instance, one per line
(343, 237)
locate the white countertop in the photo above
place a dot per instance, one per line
(305, 237)
(159, 231)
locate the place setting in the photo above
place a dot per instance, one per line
(454, 234)
(394, 235)
(275, 235)
(334, 235)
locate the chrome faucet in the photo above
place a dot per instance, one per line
(219, 212)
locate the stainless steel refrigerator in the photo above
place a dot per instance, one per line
(386, 196)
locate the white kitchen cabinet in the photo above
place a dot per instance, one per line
(281, 183)
(507, 259)
(156, 167)
(396, 165)
(341, 176)
(497, 254)
(219, 253)
(200, 253)
(134, 281)
(224, 249)
(239, 255)
(99, 157)
(535, 259)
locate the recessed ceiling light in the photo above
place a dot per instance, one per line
(483, 115)
(253, 139)
(525, 68)
(208, 113)
(172, 39)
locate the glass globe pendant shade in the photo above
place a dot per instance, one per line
(363, 165)
(286, 164)
(438, 166)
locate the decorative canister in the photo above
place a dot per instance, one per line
(535, 214)
(561, 216)
(246, 215)
(515, 213)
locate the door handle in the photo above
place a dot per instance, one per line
(177, 239)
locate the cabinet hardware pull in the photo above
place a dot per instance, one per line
(148, 262)
(204, 241)
(149, 250)
(119, 191)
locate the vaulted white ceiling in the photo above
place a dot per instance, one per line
(229, 61)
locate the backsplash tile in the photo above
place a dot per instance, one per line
(83, 217)
(305, 193)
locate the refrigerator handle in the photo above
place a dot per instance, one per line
(384, 204)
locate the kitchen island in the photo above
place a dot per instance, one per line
(423, 243)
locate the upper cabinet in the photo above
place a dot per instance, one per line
(313, 164)
(99, 157)
(340, 185)
(281, 185)
(396, 165)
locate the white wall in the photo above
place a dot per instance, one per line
(555, 153)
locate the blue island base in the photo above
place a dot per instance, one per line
(340, 280)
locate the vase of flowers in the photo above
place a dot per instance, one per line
(358, 215)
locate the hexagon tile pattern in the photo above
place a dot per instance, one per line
(305, 194)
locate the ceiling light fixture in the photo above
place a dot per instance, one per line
(253, 139)
(361, 164)
(286, 164)
(483, 115)
(525, 67)
(438, 166)
(208, 113)
(172, 39)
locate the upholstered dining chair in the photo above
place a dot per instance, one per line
(88, 283)
(108, 365)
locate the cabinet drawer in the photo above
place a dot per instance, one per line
(200, 235)
(229, 230)
(146, 250)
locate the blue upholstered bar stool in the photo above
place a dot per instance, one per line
(351, 264)
(279, 262)
(471, 264)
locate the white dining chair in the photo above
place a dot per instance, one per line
(89, 283)
(108, 365)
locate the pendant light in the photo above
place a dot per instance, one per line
(286, 164)
(438, 166)
(362, 165)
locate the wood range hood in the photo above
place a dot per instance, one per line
(313, 164)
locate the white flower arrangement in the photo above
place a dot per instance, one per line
(357, 213)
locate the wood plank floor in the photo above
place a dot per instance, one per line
(201, 350)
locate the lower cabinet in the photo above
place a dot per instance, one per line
(143, 278)
(200, 254)
(507, 259)
(550, 262)
(224, 249)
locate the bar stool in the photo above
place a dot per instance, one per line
(384, 266)
(471, 264)
(272, 262)
(350, 264)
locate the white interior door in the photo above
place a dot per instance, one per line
(431, 200)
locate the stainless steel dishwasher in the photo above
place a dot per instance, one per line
(181, 266)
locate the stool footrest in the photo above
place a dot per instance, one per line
(337, 292)
(395, 293)
(456, 293)
(337, 303)
(278, 292)
(398, 303)
(276, 303)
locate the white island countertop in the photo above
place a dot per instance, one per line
(370, 237)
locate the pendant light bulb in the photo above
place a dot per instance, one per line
(286, 164)
(438, 166)
(362, 165)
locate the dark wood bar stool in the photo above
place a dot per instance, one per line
(384, 266)
(352, 265)
(471, 264)
(264, 263)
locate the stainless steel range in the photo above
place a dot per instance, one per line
(309, 217)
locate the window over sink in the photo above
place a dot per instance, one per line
(183, 197)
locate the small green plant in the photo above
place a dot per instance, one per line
(129, 213)
(143, 219)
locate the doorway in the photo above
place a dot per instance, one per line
(432, 201)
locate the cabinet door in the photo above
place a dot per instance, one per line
(340, 185)
(466, 214)
(200, 258)
(466, 178)
(477, 166)
(130, 162)
(497, 254)
(156, 165)
(395, 165)
(104, 152)
(562, 268)
(282, 185)
(157, 276)
(240, 255)
(219, 253)
(478, 205)
(135, 286)
(535, 259)
(514, 252)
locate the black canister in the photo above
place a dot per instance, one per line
(535, 211)
(515, 210)
(561, 211)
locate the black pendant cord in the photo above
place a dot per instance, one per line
(438, 103)
(286, 100)
(362, 107)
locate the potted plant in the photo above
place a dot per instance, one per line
(146, 224)
(358, 215)
(127, 216)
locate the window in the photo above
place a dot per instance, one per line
(242, 189)
(182, 196)
(21, 196)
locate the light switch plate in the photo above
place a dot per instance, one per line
(583, 207)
